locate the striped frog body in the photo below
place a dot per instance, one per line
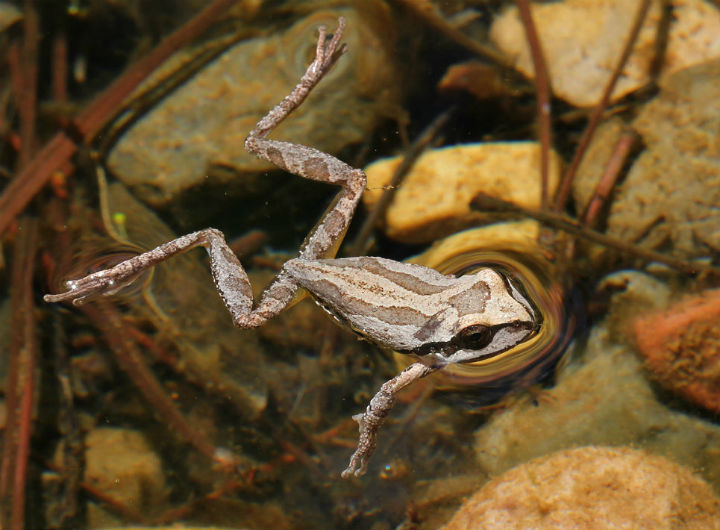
(416, 310)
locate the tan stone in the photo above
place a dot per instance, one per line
(193, 136)
(582, 41)
(592, 487)
(520, 235)
(9, 15)
(434, 200)
(121, 464)
(669, 198)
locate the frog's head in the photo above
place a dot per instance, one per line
(489, 317)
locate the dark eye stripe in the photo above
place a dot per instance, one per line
(474, 337)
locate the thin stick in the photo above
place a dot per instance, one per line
(56, 154)
(566, 184)
(486, 203)
(27, 99)
(113, 504)
(32, 178)
(59, 66)
(431, 15)
(542, 85)
(609, 177)
(21, 379)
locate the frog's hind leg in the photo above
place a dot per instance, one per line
(379, 407)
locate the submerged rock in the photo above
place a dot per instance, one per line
(593, 487)
(681, 347)
(582, 41)
(121, 464)
(204, 122)
(605, 400)
(671, 193)
(434, 199)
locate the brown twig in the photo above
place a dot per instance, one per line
(21, 380)
(563, 192)
(27, 98)
(332, 435)
(249, 243)
(53, 157)
(609, 177)
(662, 39)
(128, 513)
(542, 85)
(106, 318)
(56, 154)
(59, 65)
(150, 345)
(14, 59)
(559, 221)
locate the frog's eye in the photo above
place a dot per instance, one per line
(475, 337)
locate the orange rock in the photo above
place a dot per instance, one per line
(480, 79)
(592, 487)
(681, 347)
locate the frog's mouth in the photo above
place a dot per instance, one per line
(479, 343)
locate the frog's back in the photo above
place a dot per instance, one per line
(387, 301)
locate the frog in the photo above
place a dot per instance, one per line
(438, 319)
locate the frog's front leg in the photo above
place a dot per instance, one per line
(379, 407)
(230, 278)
